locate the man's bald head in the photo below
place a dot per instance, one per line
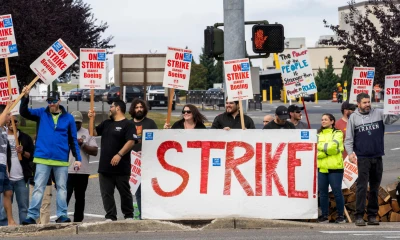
(268, 118)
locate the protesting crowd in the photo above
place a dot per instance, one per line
(62, 148)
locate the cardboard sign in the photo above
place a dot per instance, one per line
(8, 45)
(392, 94)
(177, 68)
(350, 174)
(92, 73)
(53, 62)
(136, 174)
(362, 82)
(4, 93)
(297, 74)
(207, 174)
(238, 79)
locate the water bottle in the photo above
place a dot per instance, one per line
(136, 211)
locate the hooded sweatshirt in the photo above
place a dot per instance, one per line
(365, 133)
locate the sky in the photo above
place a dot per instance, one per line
(152, 25)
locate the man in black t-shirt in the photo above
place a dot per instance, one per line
(138, 112)
(230, 119)
(280, 121)
(115, 163)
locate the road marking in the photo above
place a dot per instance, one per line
(394, 149)
(392, 132)
(358, 232)
(94, 175)
(85, 214)
(93, 161)
(317, 106)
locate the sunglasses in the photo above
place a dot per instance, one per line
(52, 101)
(186, 111)
(266, 121)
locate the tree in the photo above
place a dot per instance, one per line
(39, 23)
(209, 64)
(198, 80)
(326, 81)
(347, 71)
(372, 46)
(219, 72)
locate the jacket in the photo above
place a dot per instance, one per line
(53, 141)
(26, 163)
(330, 148)
(365, 133)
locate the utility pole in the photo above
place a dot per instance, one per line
(234, 43)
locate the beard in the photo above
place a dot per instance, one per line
(139, 115)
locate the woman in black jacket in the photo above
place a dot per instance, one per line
(191, 119)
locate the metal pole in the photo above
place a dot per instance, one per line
(234, 44)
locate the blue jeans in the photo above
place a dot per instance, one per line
(335, 180)
(21, 190)
(41, 177)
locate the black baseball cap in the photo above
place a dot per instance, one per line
(348, 106)
(53, 95)
(294, 108)
(282, 112)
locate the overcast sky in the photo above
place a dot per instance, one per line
(141, 26)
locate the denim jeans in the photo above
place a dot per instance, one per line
(41, 177)
(21, 191)
(335, 180)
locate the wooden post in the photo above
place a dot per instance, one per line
(12, 117)
(22, 94)
(91, 121)
(170, 99)
(241, 115)
(305, 111)
(347, 215)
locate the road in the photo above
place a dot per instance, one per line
(252, 234)
(94, 207)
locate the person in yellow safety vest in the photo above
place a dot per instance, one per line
(339, 91)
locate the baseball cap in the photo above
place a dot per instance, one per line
(348, 106)
(294, 108)
(53, 95)
(282, 112)
(77, 116)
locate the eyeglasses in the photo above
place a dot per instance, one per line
(351, 109)
(266, 121)
(52, 101)
(186, 111)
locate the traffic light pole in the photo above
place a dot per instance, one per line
(234, 43)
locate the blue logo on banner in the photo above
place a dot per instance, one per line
(7, 22)
(305, 135)
(216, 162)
(101, 56)
(370, 74)
(57, 46)
(149, 136)
(245, 67)
(187, 57)
(13, 48)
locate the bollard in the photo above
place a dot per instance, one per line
(284, 95)
(264, 96)
(67, 106)
(270, 94)
(316, 97)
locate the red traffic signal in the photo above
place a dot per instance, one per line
(268, 38)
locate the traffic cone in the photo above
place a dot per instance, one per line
(334, 97)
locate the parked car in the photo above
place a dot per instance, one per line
(75, 94)
(105, 95)
(308, 98)
(131, 93)
(98, 94)
(156, 97)
(214, 91)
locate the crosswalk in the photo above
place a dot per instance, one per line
(382, 234)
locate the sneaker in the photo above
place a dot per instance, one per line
(373, 221)
(129, 219)
(63, 219)
(108, 220)
(360, 222)
(28, 221)
(323, 219)
(340, 219)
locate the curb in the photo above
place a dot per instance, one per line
(70, 229)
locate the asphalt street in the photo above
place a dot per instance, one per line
(252, 234)
(94, 210)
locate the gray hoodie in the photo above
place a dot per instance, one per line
(365, 133)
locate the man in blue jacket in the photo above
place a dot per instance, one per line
(56, 136)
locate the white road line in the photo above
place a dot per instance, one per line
(358, 232)
(392, 237)
(317, 106)
(394, 149)
(86, 214)
(93, 161)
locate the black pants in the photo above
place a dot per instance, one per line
(77, 183)
(369, 169)
(107, 187)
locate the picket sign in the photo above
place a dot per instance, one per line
(92, 74)
(362, 82)
(392, 95)
(178, 63)
(136, 175)
(51, 64)
(207, 174)
(8, 44)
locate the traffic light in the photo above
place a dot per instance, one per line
(268, 38)
(213, 41)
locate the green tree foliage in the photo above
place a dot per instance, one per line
(39, 23)
(347, 71)
(326, 81)
(209, 64)
(198, 77)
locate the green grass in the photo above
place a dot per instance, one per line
(159, 118)
(67, 87)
